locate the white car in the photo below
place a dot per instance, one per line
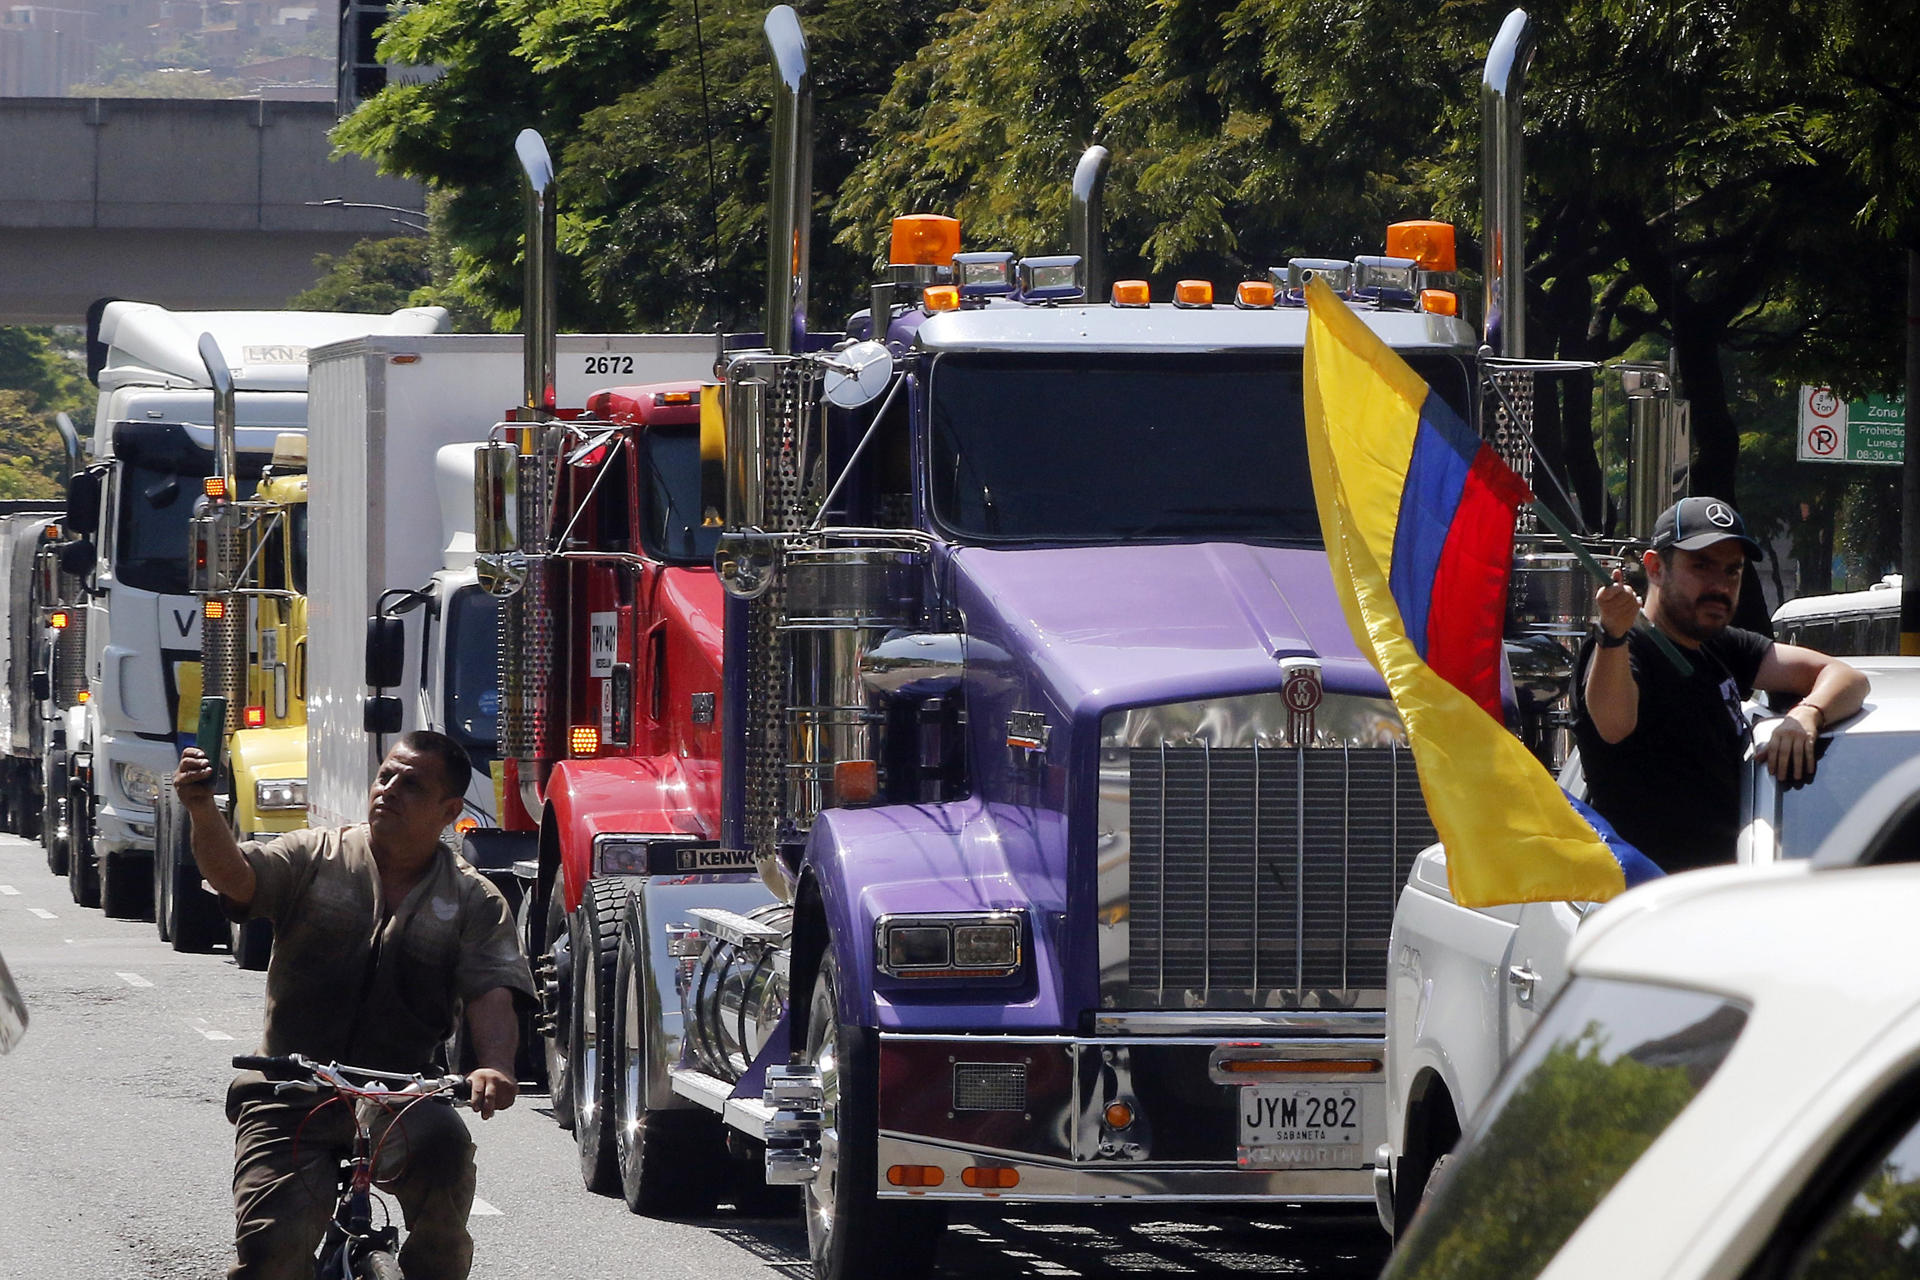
(1465, 987)
(1728, 1088)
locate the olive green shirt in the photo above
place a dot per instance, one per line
(357, 980)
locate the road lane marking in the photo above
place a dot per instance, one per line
(481, 1209)
(9, 891)
(43, 913)
(206, 1029)
(131, 979)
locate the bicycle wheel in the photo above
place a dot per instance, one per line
(376, 1264)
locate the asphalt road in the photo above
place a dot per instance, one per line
(115, 1151)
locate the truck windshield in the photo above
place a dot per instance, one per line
(159, 482)
(473, 682)
(670, 527)
(297, 546)
(1103, 448)
(1602, 1076)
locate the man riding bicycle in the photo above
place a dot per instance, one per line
(380, 935)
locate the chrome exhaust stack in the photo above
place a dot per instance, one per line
(1086, 216)
(790, 193)
(540, 298)
(1502, 181)
(220, 378)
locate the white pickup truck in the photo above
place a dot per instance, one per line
(1464, 987)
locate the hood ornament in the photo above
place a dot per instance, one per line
(1301, 690)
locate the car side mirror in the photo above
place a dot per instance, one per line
(496, 473)
(713, 456)
(381, 714)
(386, 655)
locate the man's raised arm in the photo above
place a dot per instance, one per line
(214, 849)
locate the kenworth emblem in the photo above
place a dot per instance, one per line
(1301, 690)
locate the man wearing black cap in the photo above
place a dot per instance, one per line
(1661, 751)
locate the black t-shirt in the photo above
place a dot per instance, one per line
(1671, 787)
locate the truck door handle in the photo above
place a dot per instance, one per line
(1522, 980)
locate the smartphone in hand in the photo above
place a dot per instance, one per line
(211, 736)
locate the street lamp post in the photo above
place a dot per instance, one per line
(337, 202)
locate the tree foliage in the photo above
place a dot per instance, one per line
(1708, 180)
(39, 377)
(373, 275)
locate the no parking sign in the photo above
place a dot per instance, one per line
(1873, 430)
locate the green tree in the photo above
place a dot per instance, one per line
(374, 275)
(40, 376)
(169, 82)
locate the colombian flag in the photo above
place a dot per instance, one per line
(1417, 513)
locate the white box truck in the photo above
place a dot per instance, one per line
(391, 512)
(152, 448)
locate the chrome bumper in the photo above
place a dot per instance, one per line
(1039, 1113)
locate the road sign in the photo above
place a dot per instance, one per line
(1873, 430)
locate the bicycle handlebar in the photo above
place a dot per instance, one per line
(298, 1068)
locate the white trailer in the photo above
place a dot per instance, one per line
(153, 445)
(391, 509)
(23, 525)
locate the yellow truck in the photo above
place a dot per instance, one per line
(249, 571)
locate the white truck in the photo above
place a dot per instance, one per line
(1465, 987)
(152, 449)
(391, 502)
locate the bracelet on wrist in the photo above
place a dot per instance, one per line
(1818, 710)
(1607, 640)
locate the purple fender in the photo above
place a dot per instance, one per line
(963, 856)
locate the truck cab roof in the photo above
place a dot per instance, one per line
(654, 404)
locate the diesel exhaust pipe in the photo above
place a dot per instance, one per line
(790, 194)
(220, 378)
(540, 297)
(1503, 327)
(1086, 215)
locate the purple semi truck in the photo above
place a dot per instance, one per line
(1037, 835)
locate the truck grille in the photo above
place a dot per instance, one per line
(1266, 877)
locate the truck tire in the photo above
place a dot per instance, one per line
(126, 887)
(672, 1160)
(557, 1041)
(194, 920)
(83, 874)
(28, 804)
(851, 1232)
(596, 954)
(53, 827)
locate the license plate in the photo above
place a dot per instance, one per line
(1300, 1126)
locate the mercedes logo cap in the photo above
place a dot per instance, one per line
(1695, 523)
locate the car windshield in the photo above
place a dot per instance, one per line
(1606, 1071)
(473, 682)
(1128, 446)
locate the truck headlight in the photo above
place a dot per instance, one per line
(974, 944)
(280, 793)
(138, 784)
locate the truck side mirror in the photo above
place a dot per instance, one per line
(83, 501)
(77, 558)
(713, 456)
(381, 714)
(42, 687)
(386, 655)
(496, 523)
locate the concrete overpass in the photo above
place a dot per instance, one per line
(188, 203)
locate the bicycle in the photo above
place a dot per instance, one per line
(353, 1248)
